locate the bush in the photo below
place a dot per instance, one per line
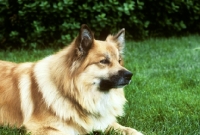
(31, 24)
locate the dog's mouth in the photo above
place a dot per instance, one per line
(106, 85)
(120, 80)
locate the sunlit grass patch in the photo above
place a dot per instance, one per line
(164, 96)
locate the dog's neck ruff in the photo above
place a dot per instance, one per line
(96, 120)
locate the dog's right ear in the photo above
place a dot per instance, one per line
(84, 40)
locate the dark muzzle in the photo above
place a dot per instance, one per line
(122, 78)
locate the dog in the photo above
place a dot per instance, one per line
(77, 90)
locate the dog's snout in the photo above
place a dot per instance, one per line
(122, 78)
(126, 74)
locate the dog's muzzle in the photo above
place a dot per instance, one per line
(122, 78)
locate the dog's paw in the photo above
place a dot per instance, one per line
(124, 130)
(130, 131)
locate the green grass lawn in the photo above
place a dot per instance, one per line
(164, 96)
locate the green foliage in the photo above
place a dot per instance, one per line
(41, 23)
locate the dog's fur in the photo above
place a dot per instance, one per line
(75, 91)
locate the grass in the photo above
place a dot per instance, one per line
(164, 96)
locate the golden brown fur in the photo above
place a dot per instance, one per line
(75, 91)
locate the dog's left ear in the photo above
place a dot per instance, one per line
(119, 38)
(84, 40)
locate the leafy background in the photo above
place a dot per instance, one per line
(41, 23)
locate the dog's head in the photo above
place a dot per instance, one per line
(101, 61)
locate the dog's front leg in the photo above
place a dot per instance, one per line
(123, 130)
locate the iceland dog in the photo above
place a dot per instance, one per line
(75, 91)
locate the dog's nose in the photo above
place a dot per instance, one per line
(128, 75)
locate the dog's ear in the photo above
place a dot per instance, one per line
(119, 38)
(84, 40)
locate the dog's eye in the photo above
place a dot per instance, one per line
(104, 61)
